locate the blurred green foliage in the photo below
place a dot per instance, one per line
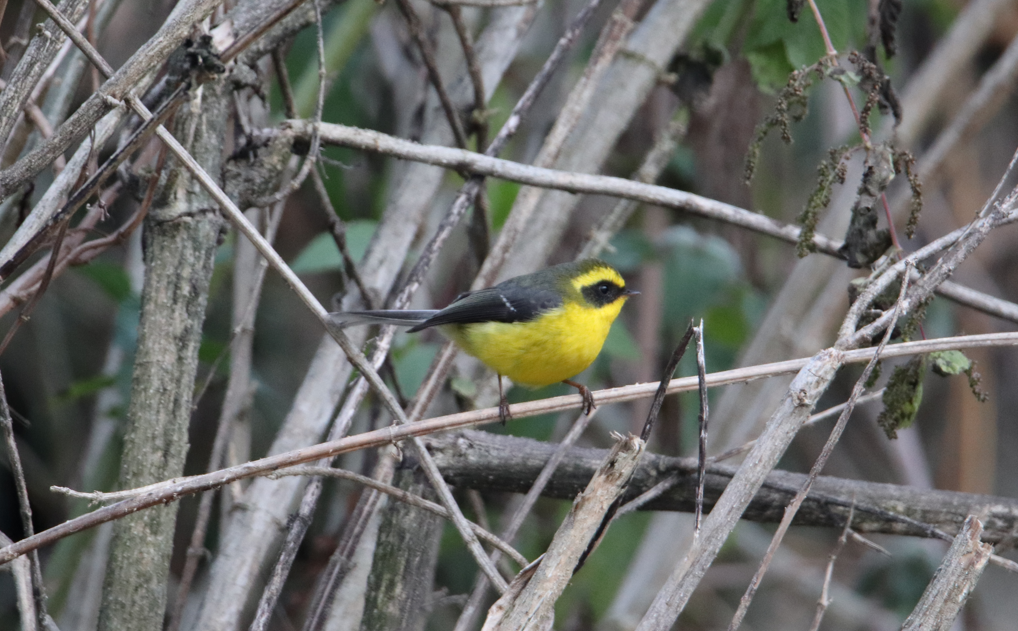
(322, 255)
(898, 583)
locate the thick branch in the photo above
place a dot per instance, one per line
(467, 459)
(171, 490)
(953, 583)
(180, 240)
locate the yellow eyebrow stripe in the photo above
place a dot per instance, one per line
(595, 275)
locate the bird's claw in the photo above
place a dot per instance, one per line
(503, 411)
(588, 397)
(588, 400)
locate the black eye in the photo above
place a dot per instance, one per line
(604, 288)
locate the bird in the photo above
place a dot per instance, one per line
(536, 329)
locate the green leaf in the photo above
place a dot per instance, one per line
(210, 350)
(111, 278)
(698, 270)
(769, 66)
(947, 363)
(84, 388)
(501, 196)
(775, 46)
(412, 363)
(726, 324)
(322, 255)
(620, 344)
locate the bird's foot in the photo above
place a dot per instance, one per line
(588, 397)
(503, 410)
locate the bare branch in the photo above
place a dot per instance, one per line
(482, 3)
(25, 508)
(534, 605)
(825, 600)
(128, 78)
(701, 462)
(155, 494)
(617, 187)
(408, 498)
(954, 581)
(820, 462)
(471, 609)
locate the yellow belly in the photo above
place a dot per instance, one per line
(558, 345)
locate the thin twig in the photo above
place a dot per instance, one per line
(649, 495)
(468, 616)
(479, 117)
(485, 165)
(820, 462)
(701, 470)
(666, 380)
(170, 490)
(338, 230)
(815, 418)
(428, 55)
(24, 507)
(825, 599)
(408, 498)
(283, 78)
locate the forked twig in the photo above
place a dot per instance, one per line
(821, 460)
(825, 599)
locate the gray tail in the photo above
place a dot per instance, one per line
(398, 317)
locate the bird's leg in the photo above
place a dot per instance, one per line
(503, 404)
(588, 398)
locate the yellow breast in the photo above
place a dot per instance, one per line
(558, 345)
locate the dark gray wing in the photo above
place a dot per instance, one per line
(508, 302)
